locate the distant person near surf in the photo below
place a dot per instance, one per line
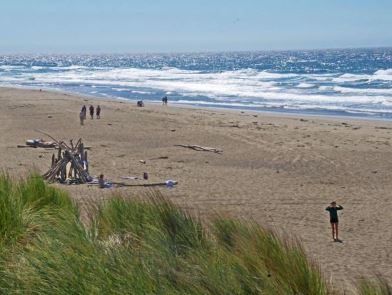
(83, 110)
(98, 112)
(91, 111)
(82, 115)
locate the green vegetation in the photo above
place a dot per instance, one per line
(142, 247)
(377, 286)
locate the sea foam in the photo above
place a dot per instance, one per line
(344, 81)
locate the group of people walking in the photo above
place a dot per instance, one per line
(83, 113)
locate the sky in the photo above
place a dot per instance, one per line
(120, 26)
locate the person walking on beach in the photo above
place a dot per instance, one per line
(333, 218)
(91, 111)
(164, 100)
(84, 112)
(81, 117)
(98, 112)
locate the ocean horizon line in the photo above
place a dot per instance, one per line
(164, 52)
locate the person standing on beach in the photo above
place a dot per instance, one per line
(333, 218)
(91, 111)
(98, 112)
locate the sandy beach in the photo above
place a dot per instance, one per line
(282, 171)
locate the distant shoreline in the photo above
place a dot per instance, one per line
(277, 113)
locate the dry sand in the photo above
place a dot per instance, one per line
(280, 170)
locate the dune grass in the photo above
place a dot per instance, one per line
(377, 286)
(147, 246)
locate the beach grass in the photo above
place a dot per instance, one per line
(376, 286)
(143, 246)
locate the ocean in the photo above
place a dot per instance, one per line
(338, 82)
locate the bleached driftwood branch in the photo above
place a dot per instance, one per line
(200, 148)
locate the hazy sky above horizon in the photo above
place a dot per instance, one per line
(120, 26)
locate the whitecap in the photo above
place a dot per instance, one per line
(383, 72)
(351, 78)
(385, 75)
(370, 91)
(305, 85)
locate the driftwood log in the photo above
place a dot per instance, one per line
(120, 184)
(200, 148)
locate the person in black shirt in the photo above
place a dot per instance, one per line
(98, 109)
(333, 218)
(91, 112)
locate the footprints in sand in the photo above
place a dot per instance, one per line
(14, 107)
(383, 128)
(296, 159)
(232, 124)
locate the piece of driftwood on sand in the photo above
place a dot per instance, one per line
(121, 184)
(143, 184)
(44, 147)
(25, 146)
(200, 148)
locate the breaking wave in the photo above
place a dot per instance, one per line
(305, 83)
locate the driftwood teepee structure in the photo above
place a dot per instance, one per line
(71, 163)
